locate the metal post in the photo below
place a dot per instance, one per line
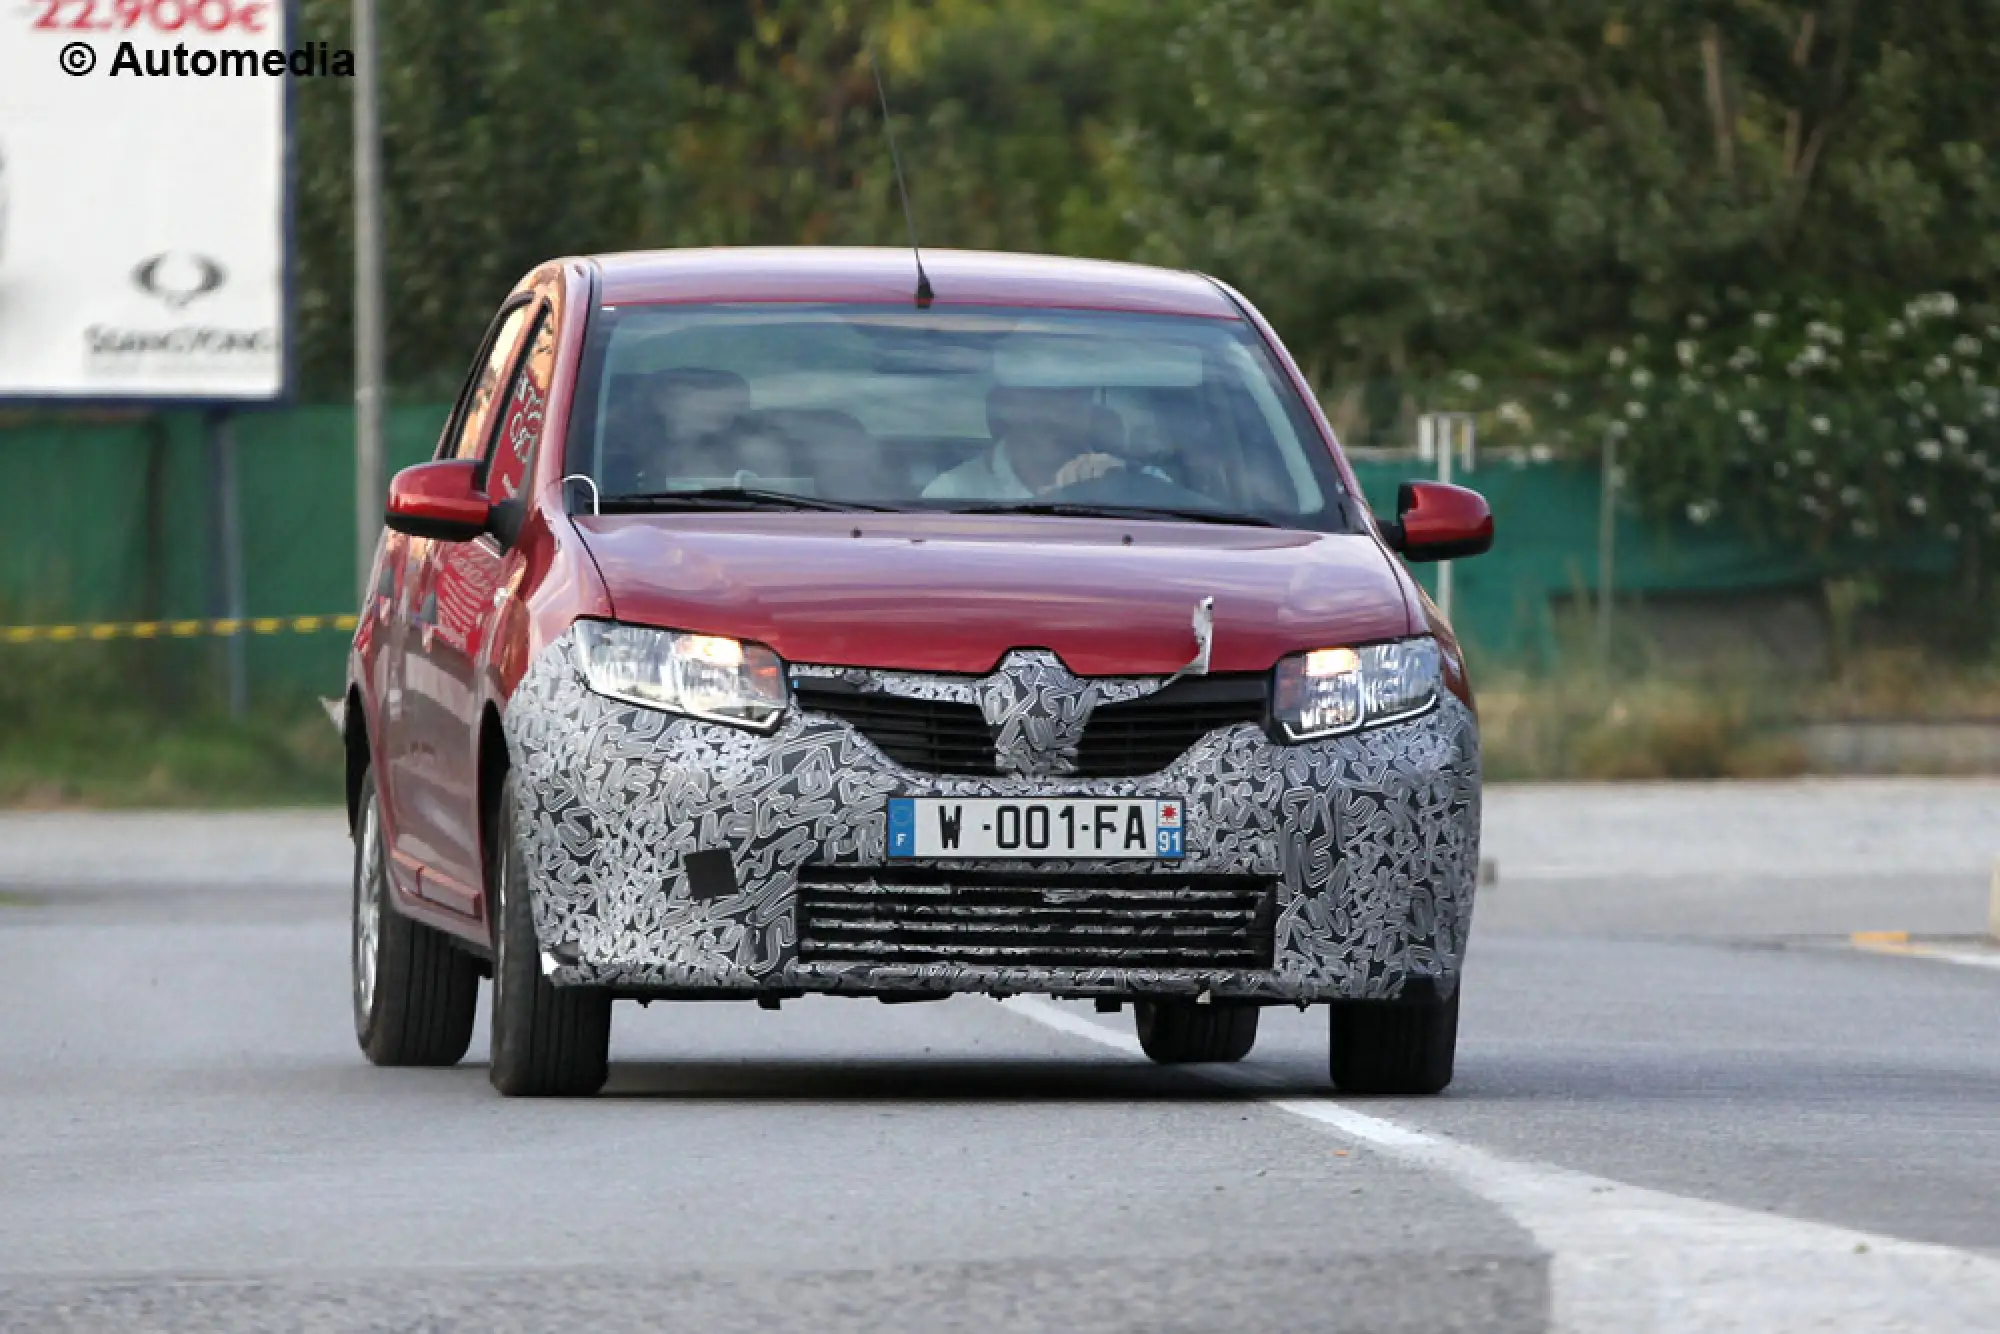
(1445, 445)
(1441, 435)
(370, 483)
(226, 592)
(1607, 534)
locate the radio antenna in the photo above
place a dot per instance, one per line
(924, 294)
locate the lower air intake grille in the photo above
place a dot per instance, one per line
(936, 736)
(909, 914)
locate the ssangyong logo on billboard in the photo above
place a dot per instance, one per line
(178, 278)
(142, 225)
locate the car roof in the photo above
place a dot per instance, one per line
(888, 276)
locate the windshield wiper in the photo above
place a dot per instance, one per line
(730, 498)
(1079, 510)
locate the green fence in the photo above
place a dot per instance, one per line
(1546, 519)
(110, 521)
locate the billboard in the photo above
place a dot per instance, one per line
(143, 200)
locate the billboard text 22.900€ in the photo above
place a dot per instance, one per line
(142, 198)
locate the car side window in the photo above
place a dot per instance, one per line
(466, 436)
(520, 420)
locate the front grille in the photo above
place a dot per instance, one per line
(936, 736)
(1141, 736)
(1144, 736)
(1028, 919)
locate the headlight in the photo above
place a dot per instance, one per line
(702, 676)
(1333, 690)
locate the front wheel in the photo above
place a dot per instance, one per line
(548, 1041)
(1180, 1032)
(1392, 1046)
(415, 992)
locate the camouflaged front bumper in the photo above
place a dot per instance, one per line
(1372, 839)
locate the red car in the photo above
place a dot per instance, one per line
(765, 628)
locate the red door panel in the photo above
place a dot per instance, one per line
(467, 578)
(424, 718)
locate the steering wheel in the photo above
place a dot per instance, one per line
(1130, 485)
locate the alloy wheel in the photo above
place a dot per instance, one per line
(367, 916)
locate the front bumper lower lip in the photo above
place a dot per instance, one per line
(1370, 840)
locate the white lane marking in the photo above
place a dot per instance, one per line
(1899, 943)
(1963, 958)
(1625, 1259)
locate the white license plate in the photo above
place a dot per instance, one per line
(1035, 827)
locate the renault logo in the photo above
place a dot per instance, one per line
(177, 277)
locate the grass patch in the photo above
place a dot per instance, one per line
(1906, 684)
(277, 759)
(136, 725)
(1585, 726)
(1647, 718)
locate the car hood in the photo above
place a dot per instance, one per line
(953, 593)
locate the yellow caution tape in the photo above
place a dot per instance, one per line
(257, 625)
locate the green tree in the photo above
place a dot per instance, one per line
(528, 129)
(1436, 183)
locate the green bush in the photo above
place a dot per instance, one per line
(1840, 436)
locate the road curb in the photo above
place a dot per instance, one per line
(1993, 904)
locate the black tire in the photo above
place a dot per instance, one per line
(1180, 1032)
(415, 992)
(1393, 1047)
(548, 1041)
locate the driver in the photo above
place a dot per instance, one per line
(1039, 446)
(673, 430)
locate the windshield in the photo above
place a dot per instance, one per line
(968, 409)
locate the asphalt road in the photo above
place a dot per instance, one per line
(1683, 1102)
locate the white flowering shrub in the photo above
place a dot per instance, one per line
(1798, 424)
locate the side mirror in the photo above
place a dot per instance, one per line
(1435, 521)
(439, 500)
